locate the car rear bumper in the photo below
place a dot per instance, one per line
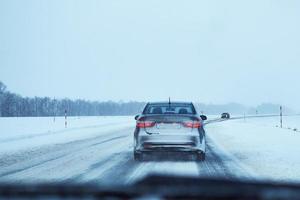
(169, 144)
(167, 149)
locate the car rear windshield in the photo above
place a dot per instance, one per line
(166, 108)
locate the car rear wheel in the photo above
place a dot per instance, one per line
(138, 156)
(200, 156)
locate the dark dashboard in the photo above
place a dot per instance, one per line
(158, 187)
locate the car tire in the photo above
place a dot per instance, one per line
(138, 156)
(200, 156)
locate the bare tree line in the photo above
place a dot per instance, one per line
(13, 105)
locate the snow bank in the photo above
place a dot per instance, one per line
(271, 152)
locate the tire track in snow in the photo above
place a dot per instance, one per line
(59, 154)
(221, 164)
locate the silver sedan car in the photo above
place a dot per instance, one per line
(169, 127)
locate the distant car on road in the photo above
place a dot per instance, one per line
(169, 127)
(225, 116)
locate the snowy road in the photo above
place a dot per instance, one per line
(107, 159)
(99, 150)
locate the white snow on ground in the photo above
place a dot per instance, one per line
(267, 150)
(27, 132)
(289, 122)
(186, 168)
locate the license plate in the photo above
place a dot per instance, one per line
(168, 126)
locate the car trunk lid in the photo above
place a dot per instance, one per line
(170, 124)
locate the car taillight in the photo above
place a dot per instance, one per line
(192, 124)
(144, 124)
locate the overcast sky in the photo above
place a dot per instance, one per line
(206, 51)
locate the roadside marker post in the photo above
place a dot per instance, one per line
(54, 110)
(280, 116)
(66, 123)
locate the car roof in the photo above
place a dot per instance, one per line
(172, 102)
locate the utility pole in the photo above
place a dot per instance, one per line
(280, 116)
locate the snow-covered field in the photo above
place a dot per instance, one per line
(259, 144)
(289, 122)
(99, 149)
(28, 132)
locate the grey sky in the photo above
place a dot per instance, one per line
(206, 51)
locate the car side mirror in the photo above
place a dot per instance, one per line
(203, 117)
(136, 117)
